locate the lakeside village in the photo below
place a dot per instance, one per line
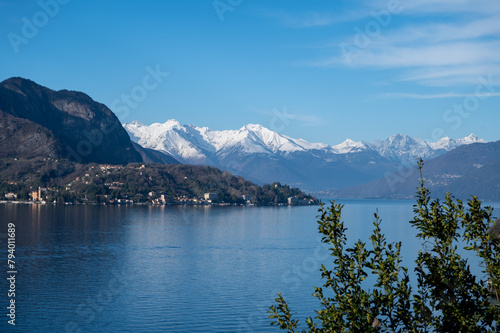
(54, 195)
(42, 196)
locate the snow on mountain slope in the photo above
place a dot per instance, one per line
(191, 143)
(202, 145)
(350, 146)
(172, 138)
(407, 150)
(449, 144)
(404, 148)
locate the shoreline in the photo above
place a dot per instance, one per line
(23, 202)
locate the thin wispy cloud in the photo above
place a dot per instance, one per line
(436, 96)
(452, 6)
(441, 32)
(453, 49)
(440, 6)
(448, 75)
(442, 54)
(311, 19)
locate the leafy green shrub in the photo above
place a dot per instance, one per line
(447, 297)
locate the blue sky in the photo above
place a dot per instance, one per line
(323, 70)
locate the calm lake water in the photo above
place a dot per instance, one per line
(174, 269)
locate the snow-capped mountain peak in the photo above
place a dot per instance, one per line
(202, 145)
(171, 123)
(448, 143)
(407, 149)
(398, 137)
(472, 138)
(402, 139)
(253, 127)
(349, 146)
(136, 123)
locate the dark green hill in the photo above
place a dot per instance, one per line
(67, 181)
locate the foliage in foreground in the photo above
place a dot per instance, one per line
(447, 297)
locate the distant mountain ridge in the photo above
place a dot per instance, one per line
(465, 171)
(262, 155)
(407, 150)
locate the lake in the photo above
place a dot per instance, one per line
(175, 268)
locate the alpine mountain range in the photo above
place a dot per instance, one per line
(262, 155)
(40, 124)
